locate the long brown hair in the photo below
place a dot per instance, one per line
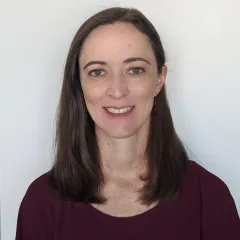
(76, 173)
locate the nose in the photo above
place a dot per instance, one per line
(118, 87)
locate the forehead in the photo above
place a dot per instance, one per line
(116, 41)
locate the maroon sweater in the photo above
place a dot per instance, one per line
(205, 210)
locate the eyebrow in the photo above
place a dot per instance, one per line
(94, 62)
(128, 60)
(134, 59)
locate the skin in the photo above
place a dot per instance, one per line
(119, 80)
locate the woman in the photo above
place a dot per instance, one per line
(121, 171)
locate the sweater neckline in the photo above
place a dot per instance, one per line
(100, 214)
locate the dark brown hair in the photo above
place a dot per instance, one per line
(76, 173)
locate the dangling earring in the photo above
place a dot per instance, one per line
(154, 109)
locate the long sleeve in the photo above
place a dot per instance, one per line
(35, 218)
(220, 219)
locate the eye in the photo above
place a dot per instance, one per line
(136, 71)
(96, 73)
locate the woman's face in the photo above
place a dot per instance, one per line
(118, 73)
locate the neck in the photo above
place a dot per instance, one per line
(122, 156)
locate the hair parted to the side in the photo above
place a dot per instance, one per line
(76, 173)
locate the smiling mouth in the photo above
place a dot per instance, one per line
(119, 110)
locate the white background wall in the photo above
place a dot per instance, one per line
(202, 41)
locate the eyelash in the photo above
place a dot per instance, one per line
(95, 70)
(133, 68)
(139, 68)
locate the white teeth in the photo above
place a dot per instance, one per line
(117, 111)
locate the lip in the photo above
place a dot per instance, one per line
(116, 107)
(119, 115)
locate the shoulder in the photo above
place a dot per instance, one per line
(40, 187)
(206, 180)
(219, 215)
(40, 195)
(207, 188)
(37, 211)
(210, 186)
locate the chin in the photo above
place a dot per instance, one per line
(116, 132)
(120, 134)
(122, 129)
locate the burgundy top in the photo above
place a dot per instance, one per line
(205, 210)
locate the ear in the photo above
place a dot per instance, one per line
(161, 79)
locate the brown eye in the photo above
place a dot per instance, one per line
(136, 71)
(96, 73)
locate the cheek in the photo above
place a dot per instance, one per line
(144, 90)
(93, 97)
(144, 95)
(92, 93)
